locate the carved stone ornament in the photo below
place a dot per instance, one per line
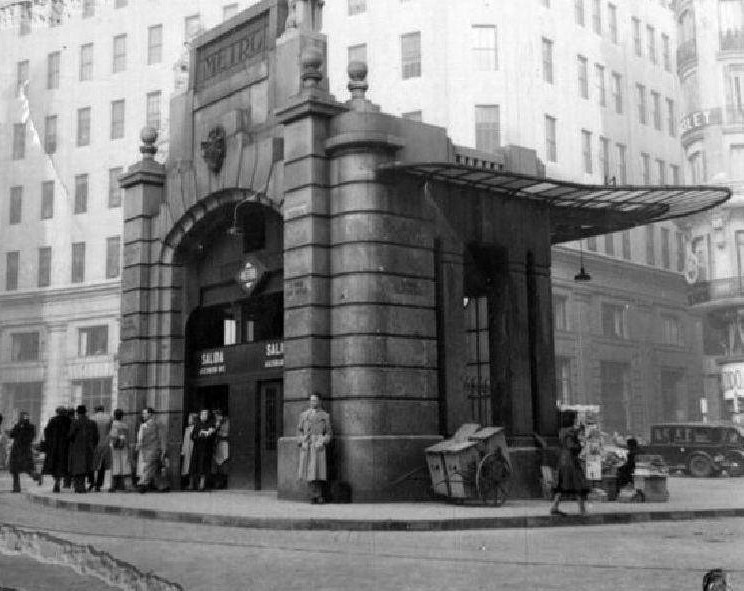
(213, 149)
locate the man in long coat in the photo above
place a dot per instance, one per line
(83, 441)
(314, 430)
(119, 443)
(150, 450)
(21, 456)
(56, 440)
(102, 458)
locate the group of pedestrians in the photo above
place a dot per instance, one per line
(205, 450)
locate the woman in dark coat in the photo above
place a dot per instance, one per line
(204, 435)
(21, 456)
(571, 479)
(57, 443)
(83, 441)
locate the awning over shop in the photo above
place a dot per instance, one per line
(577, 211)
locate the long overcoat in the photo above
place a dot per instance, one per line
(120, 442)
(204, 435)
(187, 450)
(314, 430)
(102, 457)
(21, 456)
(57, 441)
(149, 449)
(83, 441)
(571, 477)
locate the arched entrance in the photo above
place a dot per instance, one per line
(232, 296)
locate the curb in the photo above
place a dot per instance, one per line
(468, 523)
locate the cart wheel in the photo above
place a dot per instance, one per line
(492, 479)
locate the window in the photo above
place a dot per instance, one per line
(645, 168)
(78, 262)
(665, 51)
(586, 150)
(22, 70)
(25, 18)
(636, 24)
(19, 141)
(113, 257)
(57, 12)
(622, 164)
(612, 17)
(656, 109)
(229, 11)
(661, 171)
(152, 108)
(563, 386)
(650, 245)
(487, 128)
(599, 72)
(16, 205)
(81, 193)
(50, 134)
(191, 26)
(89, 8)
(547, 55)
(582, 66)
(357, 53)
(120, 54)
(47, 200)
(609, 243)
(604, 158)
(671, 331)
(94, 392)
(674, 169)
(597, 16)
(591, 243)
(484, 47)
(114, 192)
(627, 252)
(579, 12)
(698, 168)
(11, 270)
(154, 44)
(53, 70)
(412, 115)
(666, 258)
(671, 124)
(736, 161)
(17, 396)
(560, 312)
(357, 7)
(641, 93)
(410, 52)
(93, 340)
(551, 152)
(45, 266)
(86, 62)
(651, 40)
(680, 251)
(617, 91)
(613, 321)
(83, 126)
(24, 346)
(121, 3)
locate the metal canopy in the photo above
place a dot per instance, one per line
(576, 210)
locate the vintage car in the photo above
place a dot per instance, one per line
(699, 449)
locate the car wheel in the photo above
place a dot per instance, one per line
(700, 466)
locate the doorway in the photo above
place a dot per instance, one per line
(268, 431)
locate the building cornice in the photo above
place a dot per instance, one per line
(60, 295)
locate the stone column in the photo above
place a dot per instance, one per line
(57, 387)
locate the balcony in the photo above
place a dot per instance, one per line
(686, 54)
(731, 40)
(718, 289)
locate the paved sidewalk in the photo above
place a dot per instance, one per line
(690, 498)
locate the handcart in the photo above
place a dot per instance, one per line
(473, 465)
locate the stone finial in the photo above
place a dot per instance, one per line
(312, 62)
(357, 80)
(148, 135)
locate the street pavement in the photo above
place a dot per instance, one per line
(664, 555)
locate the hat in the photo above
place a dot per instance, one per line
(81, 410)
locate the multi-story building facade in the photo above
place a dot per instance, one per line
(710, 65)
(590, 85)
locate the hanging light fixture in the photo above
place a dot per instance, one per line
(582, 275)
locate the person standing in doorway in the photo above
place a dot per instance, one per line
(314, 430)
(119, 441)
(56, 439)
(150, 450)
(83, 442)
(204, 434)
(21, 456)
(571, 479)
(187, 449)
(221, 449)
(102, 459)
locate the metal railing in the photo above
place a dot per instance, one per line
(686, 52)
(717, 289)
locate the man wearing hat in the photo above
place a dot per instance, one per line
(83, 441)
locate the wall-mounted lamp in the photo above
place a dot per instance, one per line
(582, 275)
